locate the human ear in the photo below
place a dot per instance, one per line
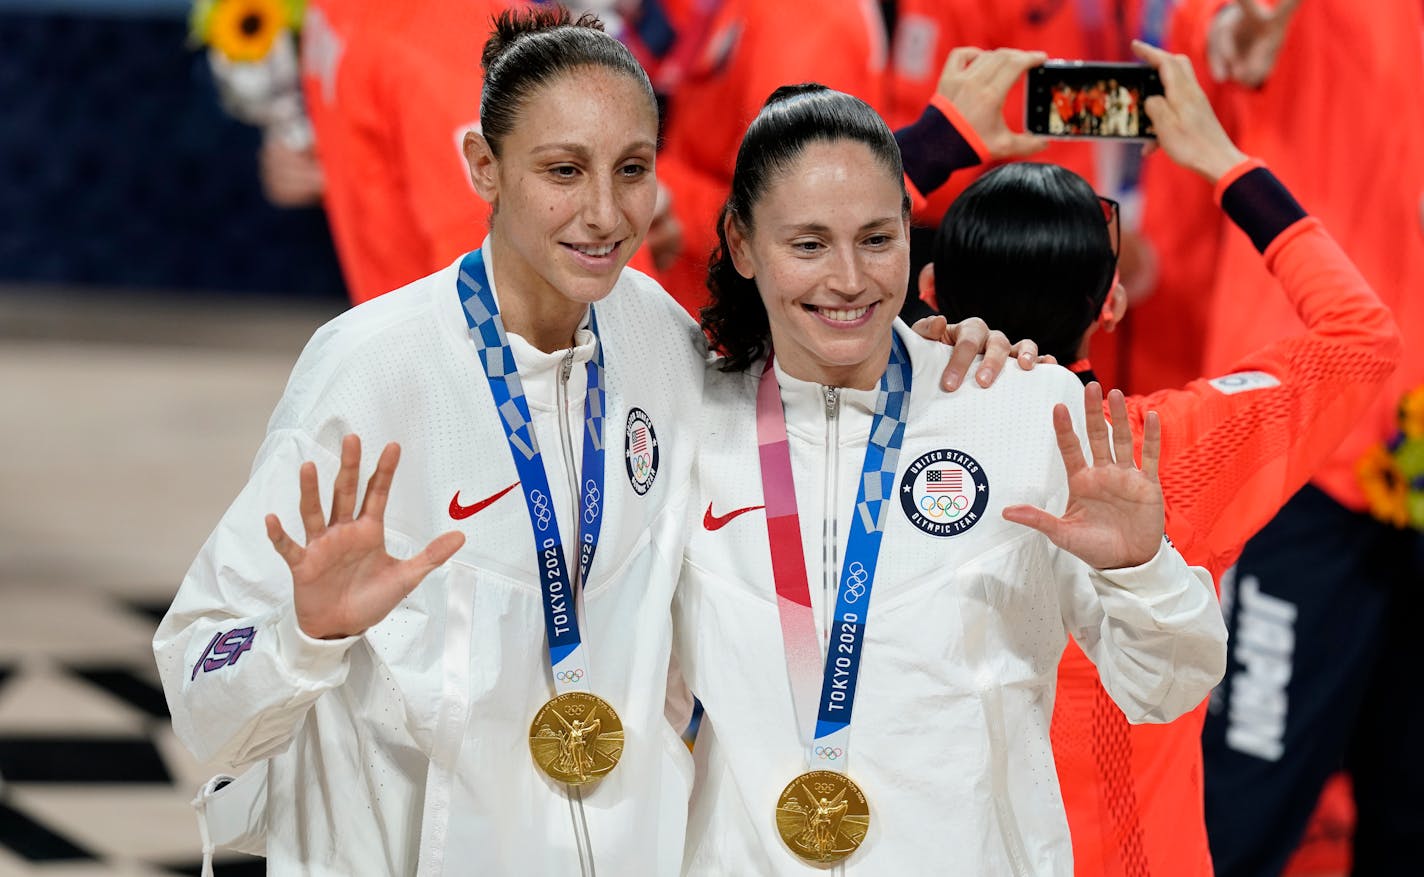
(927, 287)
(484, 166)
(738, 247)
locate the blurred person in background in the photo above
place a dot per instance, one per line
(1027, 248)
(391, 89)
(1326, 602)
(739, 51)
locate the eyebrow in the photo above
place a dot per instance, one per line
(582, 152)
(818, 228)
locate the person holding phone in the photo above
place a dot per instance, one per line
(1026, 247)
(831, 473)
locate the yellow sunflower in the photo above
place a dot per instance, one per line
(244, 30)
(1384, 486)
(1411, 413)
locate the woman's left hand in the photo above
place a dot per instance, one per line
(971, 338)
(1114, 517)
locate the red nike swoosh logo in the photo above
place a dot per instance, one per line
(460, 512)
(717, 522)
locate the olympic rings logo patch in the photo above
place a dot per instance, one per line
(640, 451)
(944, 492)
(542, 515)
(830, 753)
(944, 506)
(569, 675)
(856, 579)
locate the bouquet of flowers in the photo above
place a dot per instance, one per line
(253, 55)
(1392, 473)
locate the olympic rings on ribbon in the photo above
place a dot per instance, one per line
(569, 675)
(541, 509)
(591, 499)
(856, 577)
(829, 752)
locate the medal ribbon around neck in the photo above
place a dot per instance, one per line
(828, 739)
(566, 654)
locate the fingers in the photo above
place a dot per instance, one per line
(1026, 352)
(440, 549)
(969, 338)
(961, 57)
(1097, 426)
(1035, 518)
(286, 546)
(1151, 445)
(996, 353)
(1015, 63)
(309, 504)
(378, 489)
(1068, 446)
(1122, 429)
(1019, 145)
(343, 494)
(931, 328)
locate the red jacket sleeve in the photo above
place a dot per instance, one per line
(1236, 447)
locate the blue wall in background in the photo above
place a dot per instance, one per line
(118, 168)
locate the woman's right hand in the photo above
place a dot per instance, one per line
(343, 581)
(1186, 125)
(977, 82)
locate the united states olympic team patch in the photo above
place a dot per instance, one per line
(944, 492)
(640, 452)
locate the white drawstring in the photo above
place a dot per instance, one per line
(200, 806)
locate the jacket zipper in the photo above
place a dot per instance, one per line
(571, 556)
(830, 538)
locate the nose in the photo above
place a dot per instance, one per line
(847, 277)
(600, 209)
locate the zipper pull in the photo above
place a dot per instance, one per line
(833, 401)
(567, 367)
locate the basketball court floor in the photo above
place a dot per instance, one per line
(127, 423)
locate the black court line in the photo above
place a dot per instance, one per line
(246, 867)
(35, 842)
(81, 760)
(128, 686)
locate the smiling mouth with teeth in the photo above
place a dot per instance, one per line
(592, 250)
(847, 315)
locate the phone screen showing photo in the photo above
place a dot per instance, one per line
(1075, 99)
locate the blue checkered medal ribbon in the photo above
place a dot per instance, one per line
(566, 655)
(830, 750)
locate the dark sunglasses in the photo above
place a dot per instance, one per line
(1114, 223)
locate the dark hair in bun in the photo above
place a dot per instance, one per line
(528, 48)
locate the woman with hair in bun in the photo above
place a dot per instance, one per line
(506, 716)
(832, 470)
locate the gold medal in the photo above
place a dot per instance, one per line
(822, 816)
(576, 738)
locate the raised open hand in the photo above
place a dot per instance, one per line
(1244, 40)
(977, 82)
(1114, 517)
(343, 581)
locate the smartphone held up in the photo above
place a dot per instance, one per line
(1090, 99)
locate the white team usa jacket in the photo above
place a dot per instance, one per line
(405, 750)
(967, 619)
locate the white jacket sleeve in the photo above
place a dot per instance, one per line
(238, 672)
(1154, 631)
